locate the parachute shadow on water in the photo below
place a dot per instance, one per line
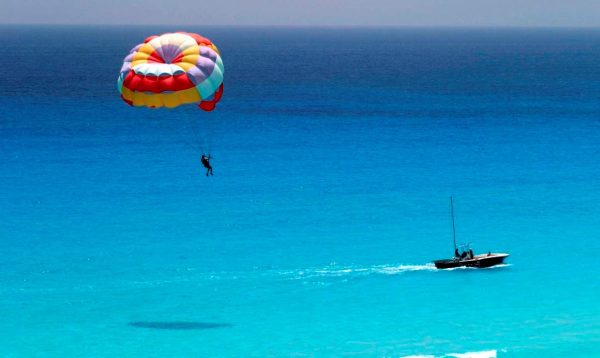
(178, 325)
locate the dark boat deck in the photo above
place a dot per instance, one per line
(479, 261)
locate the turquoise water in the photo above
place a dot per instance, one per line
(335, 153)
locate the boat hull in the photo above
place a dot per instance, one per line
(479, 261)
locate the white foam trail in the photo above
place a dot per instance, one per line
(344, 271)
(479, 354)
(394, 270)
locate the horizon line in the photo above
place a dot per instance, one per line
(321, 26)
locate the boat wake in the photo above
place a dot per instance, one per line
(480, 354)
(324, 275)
(334, 271)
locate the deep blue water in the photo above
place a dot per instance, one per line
(335, 152)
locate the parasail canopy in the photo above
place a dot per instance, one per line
(171, 70)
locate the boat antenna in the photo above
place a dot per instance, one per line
(453, 228)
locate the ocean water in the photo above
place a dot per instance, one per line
(335, 153)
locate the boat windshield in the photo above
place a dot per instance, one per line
(464, 247)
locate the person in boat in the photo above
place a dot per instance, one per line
(206, 163)
(470, 255)
(456, 254)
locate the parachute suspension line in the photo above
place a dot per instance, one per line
(205, 142)
(199, 133)
(190, 136)
(209, 105)
(203, 132)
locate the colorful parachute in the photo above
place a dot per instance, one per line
(172, 69)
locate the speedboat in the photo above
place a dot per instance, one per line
(466, 258)
(480, 261)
